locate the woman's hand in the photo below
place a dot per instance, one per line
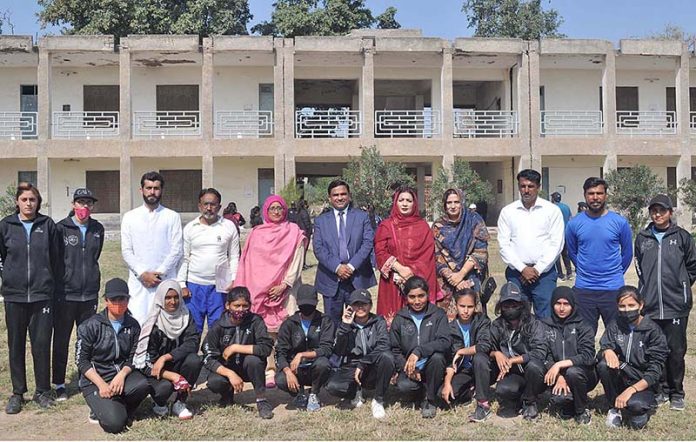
(504, 364)
(611, 358)
(276, 292)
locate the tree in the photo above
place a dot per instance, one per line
(291, 18)
(675, 32)
(123, 17)
(7, 201)
(373, 180)
(630, 191)
(465, 178)
(315, 193)
(291, 192)
(687, 192)
(525, 19)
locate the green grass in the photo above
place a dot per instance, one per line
(68, 419)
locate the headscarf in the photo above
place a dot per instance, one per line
(563, 292)
(456, 236)
(171, 324)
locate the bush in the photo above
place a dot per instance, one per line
(464, 178)
(630, 191)
(291, 192)
(7, 201)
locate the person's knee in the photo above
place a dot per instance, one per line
(321, 365)
(437, 360)
(193, 360)
(336, 387)
(254, 363)
(507, 390)
(534, 368)
(574, 374)
(281, 380)
(406, 386)
(217, 383)
(385, 362)
(602, 367)
(113, 422)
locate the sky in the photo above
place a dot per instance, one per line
(601, 19)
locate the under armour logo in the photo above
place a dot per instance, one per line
(429, 324)
(640, 344)
(672, 242)
(319, 329)
(248, 331)
(676, 321)
(572, 332)
(46, 310)
(127, 331)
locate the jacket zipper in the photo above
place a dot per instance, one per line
(685, 296)
(29, 269)
(628, 349)
(563, 349)
(659, 279)
(82, 288)
(118, 350)
(361, 332)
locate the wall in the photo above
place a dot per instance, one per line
(571, 89)
(67, 175)
(237, 88)
(651, 87)
(139, 166)
(567, 175)
(382, 73)
(67, 84)
(11, 80)
(145, 80)
(9, 169)
(237, 180)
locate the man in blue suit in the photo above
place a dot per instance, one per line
(343, 239)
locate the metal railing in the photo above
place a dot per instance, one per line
(571, 122)
(471, 123)
(646, 122)
(166, 124)
(408, 123)
(85, 125)
(692, 123)
(331, 123)
(243, 124)
(18, 125)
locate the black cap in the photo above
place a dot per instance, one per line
(307, 295)
(115, 288)
(510, 292)
(661, 200)
(360, 295)
(84, 193)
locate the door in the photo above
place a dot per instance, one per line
(106, 186)
(626, 102)
(28, 102)
(181, 192)
(266, 101)
(104, 101)
(181, 101)
(265, 179)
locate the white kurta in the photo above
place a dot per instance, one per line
(151, 241)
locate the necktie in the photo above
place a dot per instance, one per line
(342, 241)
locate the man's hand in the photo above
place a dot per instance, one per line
(296, 361)
(236, 382)
(552, 374)
(358, 372)
(117, 384)
(447, 392)
(229, 351)
(293, 383)
(344, 272)
(561, 387)
(529, 275)
(150, 279)
(158, 366)
(612, 359)
(104, 390)
(410, 366)
(185, 292)
(504, 364)
(622, 399)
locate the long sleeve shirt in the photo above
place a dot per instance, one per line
(206, 247)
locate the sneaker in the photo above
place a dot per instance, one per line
(480, 414)
(677, 404)
(61, 394)
(180, 410)
(638, 422)
(43, 400)
(160, 411)
(300, 401)
(428, 409)
(313, 403)
(265, 409)
(378, 410)
(613, 418)
(92, 418)
(661, 399)
(530, 411)
(14, 404)
(358, 400)
(584, 418)
(226, 399)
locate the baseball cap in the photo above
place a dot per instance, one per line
(116, 288)
(472, 206)
(85, 193)
(510, 292)
(360, 295)
(661, 200)
(307, 295)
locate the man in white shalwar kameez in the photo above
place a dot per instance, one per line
(151, 244)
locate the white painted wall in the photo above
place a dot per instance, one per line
(237, 180)
(479, 74)
(67, 175)
(67, 84)
(145, 80)
(10, 81)
(237, 88)
(651, 87)
(140, 166)
(571, 89)
(327, 73)
(9, 169)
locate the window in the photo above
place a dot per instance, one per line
(27, 176)
(106, 187)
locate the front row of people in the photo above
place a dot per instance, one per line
(426, 358)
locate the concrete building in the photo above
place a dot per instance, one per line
(245, 114)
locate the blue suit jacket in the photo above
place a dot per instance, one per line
(360, 243)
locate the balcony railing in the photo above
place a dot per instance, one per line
(571, 122)
(166, 124)
(425, 123)
(331, 123)
(243, 124)
(470, 123)
(692, 123)
(646, 122)
(18, 125)
(85, 125)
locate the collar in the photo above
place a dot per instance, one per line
(335, 211)
(197, 221)
(538, 203)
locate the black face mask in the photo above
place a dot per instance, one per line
(307, 310)
(512, 314)
(629, 316)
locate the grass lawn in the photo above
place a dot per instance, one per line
(68, 420)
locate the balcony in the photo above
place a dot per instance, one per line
(18, 125)
(470, 123)
(243, 124)
(646, 123)
(692, 123)
(571, 123)
(85, 125)
(166, 124)
(331, 123)
(425, 123)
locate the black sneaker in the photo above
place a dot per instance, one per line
(661, 399)
(529, 411)
(428, 409)
(584, 418)
(61, 394)
(43, 400)
(226, 399)
(677, 404)
(14, 405)
(92, 417)
(480, 414)
(265, 409)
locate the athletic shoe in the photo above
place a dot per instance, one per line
(480, 414)
(226, 399)
(428, 409)
(61, 394)
(160, 411)
(180, 410)
(358, 400)
(677, 404)
(14, 404)
(378, 410)
(313, 403)
(92, 418)
(613, 418)
(265, 409)
(661, 399)
(43, 400)
(529, 411)
(300, 401)
(584, 418)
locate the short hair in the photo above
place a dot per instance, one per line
(336, 183)
(28, 187)
(211, 191)
(152, 176)
(415, 282)
(594, 181)
(237, 293)
(556, 197)
(629, 290)
(531, 175)
(459, 294)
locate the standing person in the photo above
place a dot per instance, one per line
(666, 265)
(343, 238)
(582, 206)
(565, 210)
(599, 245)
(255, 217)
(231, 214)
(104, 351)
(472, 207)
(305, 223)
(210, 242)
(461, 249)
(30, 249)
(151, 245)
(530, 234)
(78, 291)
(404, 247)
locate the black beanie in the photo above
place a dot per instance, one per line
(563, 292)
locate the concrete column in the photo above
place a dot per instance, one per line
(609, 92)
(420, 185)
(611, 162)
(278, 172)
(278, 90)
(447, 94)
(534, 100)
(207, 93)
(684, 213)
(42, 178)
(125, 182)
(447, 163)
(44, 90)
(367, 90)
(124, 73)
(207, 169)
(289, 87)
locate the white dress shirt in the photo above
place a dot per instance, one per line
(206, 247)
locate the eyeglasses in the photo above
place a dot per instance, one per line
(276, 209)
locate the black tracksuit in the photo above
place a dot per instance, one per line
(292, 340)
(368, 349)
(185, 360)
(526, 380)
(251, 368)
(29, 274)
(99, 347)
(666, 271)
(642, 353)
(431, 341)
(476, 369)
(77, 290)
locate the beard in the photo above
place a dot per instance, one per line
(151, 200)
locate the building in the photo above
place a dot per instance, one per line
(245, 114)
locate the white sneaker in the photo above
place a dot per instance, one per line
(613, 418)
(179, 409)
(378, 410)
(357, 401)
(160, 411)
(92, 418)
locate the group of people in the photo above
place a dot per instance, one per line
(430, 337)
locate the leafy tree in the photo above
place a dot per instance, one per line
(123, 17)
(630, 191)
(7, 201)
(373, 180)
(315, 192)
(675, 32)
(291, 18)
(687, 191)
(524, 19)
(291, 192)
(465, 178)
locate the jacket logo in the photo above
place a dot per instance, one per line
(620, 338)
(640, 344)
(408, 328)
(319, 329)
(248, 331)
(97, 235)
(676, 321)
(429, 324)
(226, 339)
(646, 245)
(127, 330)
(71, 240)
(46, 310)
(551, 335)
(219, 238)
(572, 332)
(672, 242)
(39, 230)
